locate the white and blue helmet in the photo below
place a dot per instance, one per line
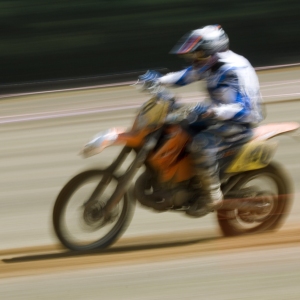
(209, 39)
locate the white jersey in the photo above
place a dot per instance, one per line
(232, 85)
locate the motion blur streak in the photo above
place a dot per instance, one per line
(161, 256)
(70, 113)
(291, 85)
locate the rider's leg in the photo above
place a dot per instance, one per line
(204, 149)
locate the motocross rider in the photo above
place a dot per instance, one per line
(235, 105)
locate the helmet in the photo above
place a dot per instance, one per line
(209, 39)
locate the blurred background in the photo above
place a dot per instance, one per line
(160, 256)
(49, 40)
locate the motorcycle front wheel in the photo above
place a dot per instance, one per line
(271, 183)
(79, 224)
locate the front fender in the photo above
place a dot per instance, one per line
(101, 141)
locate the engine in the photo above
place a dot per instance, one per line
(149, 194)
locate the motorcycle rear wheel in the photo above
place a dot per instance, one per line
(230, 221)
(94, 235)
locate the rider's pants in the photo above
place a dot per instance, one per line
(206, 145)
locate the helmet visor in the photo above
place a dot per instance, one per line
(186, 44)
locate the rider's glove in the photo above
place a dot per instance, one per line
(150, 79)
(209, 114)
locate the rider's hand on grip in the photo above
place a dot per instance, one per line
(150, 75)
(150, 79)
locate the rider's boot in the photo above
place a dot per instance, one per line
(208, 188)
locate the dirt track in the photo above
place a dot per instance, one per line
(161, 256)
(128, 251)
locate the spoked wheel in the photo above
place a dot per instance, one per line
(272, 186)
(79, 224)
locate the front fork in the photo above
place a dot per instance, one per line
(108, 175)
(127, 177)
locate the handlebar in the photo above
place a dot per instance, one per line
(149, 82)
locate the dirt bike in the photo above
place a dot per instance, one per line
(257, 191)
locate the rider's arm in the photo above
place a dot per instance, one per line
(181, 78)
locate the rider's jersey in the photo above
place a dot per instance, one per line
(232, 85)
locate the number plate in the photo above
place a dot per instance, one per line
(252, 156)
